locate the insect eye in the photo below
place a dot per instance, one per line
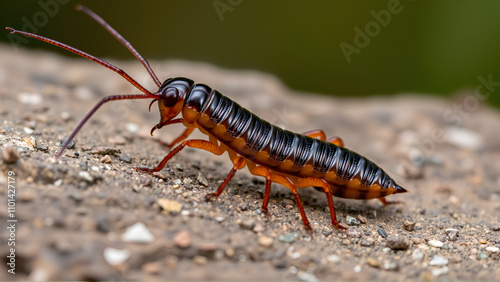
(169, 96)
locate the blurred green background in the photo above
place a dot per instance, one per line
(432, 47)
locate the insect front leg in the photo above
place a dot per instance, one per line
(194, 143)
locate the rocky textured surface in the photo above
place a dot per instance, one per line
(93, 216)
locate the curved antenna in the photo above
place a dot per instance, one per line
(88, 56)
(120, 38)
(92, 112)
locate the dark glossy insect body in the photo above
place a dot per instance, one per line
(281, 156)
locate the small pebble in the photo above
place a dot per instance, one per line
(398, 242)
(115, 256)
(351, 220)
(391, 266)
(417, 255)
(10, 155)
(138, 233)
(71, 144)
(169, 205)
(152, 267)
(493, 249)
(202, 179)
(361, 219)
(41, 147)
(354, 233)
(146, 180)
(438, 261)
(482, 255)
(258, 227)
(289, 237)
(368, 242)
(200, 260)
(266, 241)
(495, 228)
(125, 158)
(28, 130)
(440, 271)
(182, 239)
(85, 176)
(105, 151)
(177, 182)
(247, 224)
(382, 232)
(452, 233)
(371, 262)
(482, 241)
(106, 159)
(306, 276)
(117, 140)
(333, 258)
(435, 243)
(409, 225)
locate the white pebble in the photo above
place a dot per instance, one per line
(85, 176)
(493, 249)
(333, 258)
(138, 233)
(440, 271)
(116, 256)
(29, 98)
(132, 128)
(58, 182)
(435, 243)
(438, 261)
(28, 130)
(464, 138)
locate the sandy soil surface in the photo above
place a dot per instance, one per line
(93, 216)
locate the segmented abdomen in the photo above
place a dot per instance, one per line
(342, 168)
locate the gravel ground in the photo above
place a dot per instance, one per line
(93, 216)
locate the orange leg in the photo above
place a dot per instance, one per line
(285, 181)
(320, 134)
(238, 163)
(386, 203)
(194, 143)
(314, 181)
(265, 172)
(183, 136)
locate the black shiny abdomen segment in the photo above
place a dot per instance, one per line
(280, 145)
(238, 121)
(258, 133)
(198, 97)
(220, 107)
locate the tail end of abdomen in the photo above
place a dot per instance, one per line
(400, 189)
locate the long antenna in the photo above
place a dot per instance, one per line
(88, 56)
(120, 38)
(92, 112)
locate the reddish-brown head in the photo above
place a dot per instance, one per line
(173, 93)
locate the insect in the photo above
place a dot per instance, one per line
(280, 156)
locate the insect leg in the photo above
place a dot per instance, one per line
(183, 136)
(265, 172)
(317, 133)
(320, 134)
(315, 181)
(386, 203)
(194, 143)
(238, 163)
(285, 181)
